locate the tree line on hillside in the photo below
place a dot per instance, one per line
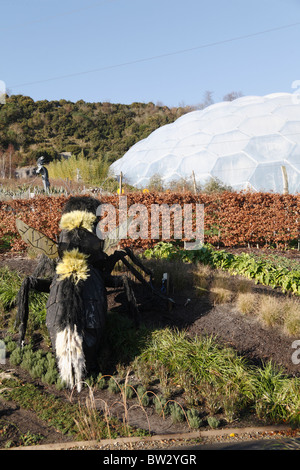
(102, 131)
(97, 130)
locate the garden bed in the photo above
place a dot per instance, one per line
(197, 316)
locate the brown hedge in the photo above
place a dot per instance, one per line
(230, 219)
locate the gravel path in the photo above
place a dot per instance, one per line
(277, 437)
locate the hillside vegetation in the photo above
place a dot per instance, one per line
(103, 131)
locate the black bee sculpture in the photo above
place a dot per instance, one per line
(79, 271)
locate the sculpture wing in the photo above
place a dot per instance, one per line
(37, 240)
(115, 236)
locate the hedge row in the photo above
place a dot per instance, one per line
(230, 219)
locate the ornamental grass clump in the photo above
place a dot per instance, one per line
(10, 283)
(221, 289)
(247, 303)
(271, 310)
(291, 312)
(264, 389)
(202, 277)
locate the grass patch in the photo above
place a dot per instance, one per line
(222, 276)
(212, 378)
(10, 283)
(223, 384)
(246, 302)
(202, 275)
(50, 409)
(270, 310)
(265, 391)
(259, 269)
(221, 289)
(291, 312)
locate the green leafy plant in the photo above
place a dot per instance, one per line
(193, 418)
(10, 283)
(215, 368)
(261, 270)
(177, 413)
(213, 422)
(143, 395)
(113, 385)
(29, 438)
(162, 405)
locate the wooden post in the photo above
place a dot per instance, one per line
(194, 182)
(285, 180)
(120, 184)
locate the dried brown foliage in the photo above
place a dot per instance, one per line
(231, 219)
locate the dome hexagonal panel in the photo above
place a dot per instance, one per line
(294, 158)
(188, 164)
(269, 147)
(243, 142)
(223, 124)
(167, 164)
(262, 125)
(291, 110)
(238, 167)
(230, 142)
(265, 180)
(291, 130)
(191, 144)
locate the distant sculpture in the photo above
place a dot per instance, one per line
(42, 170)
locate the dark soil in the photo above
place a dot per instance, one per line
(197, 316)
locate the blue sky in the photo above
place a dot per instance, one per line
(167, 51)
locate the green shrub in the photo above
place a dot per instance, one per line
(16, 357)
(50, 377)
(100, 382)
(194, 419)
(128, 391)
(113, 385)
(213, 422)
(10, 283)
(143, 395)
(162, 406)
(11, 346)
(177, 413)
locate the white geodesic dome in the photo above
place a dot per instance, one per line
(243, 143)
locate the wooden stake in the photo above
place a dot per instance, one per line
(120, 184)
(285, 180)
(194, 182)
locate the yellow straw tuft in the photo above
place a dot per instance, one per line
(77, 219)
(73, 264)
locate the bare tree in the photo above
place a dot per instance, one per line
(207, 100)
(233, 95)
